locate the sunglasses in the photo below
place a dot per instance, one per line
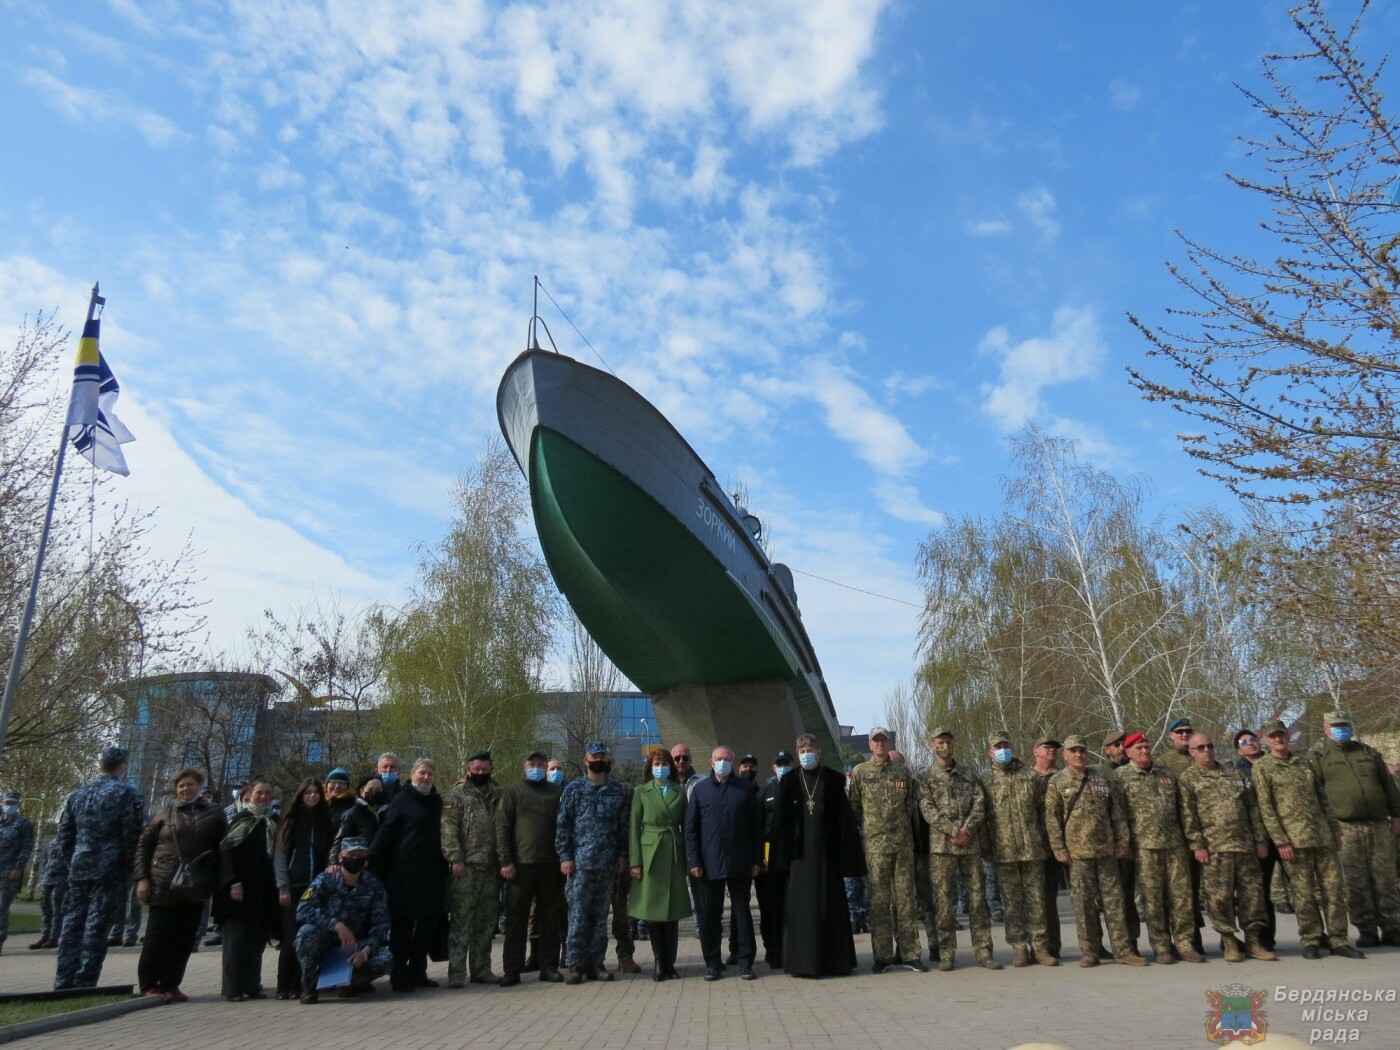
(1203, 747)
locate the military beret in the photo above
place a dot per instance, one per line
(879, 731)
(782, 758)
(353, 843)
(998, 736)
(596, 747)
(1131, 739)
(939, 731)
(1337, 718)
(1052, 741)
(1114, 736)
(112, 753)
(1180, 723)
(1075, 740)
(1272, 727)
(480, 756)
(12, 796)
(338, 774)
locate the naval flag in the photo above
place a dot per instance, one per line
(93, 426)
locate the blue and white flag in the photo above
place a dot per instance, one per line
(93, 426)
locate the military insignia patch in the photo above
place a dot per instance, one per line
(307, 895)
(1236, 1014)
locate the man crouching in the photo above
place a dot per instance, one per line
(346, 907)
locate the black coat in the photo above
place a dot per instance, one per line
(407, 854)
(724, 828)
(248, 863)
(360, 821)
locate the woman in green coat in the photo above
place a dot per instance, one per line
(659, 893)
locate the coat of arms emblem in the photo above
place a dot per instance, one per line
(1236, 1014)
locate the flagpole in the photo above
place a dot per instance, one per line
(27, 617)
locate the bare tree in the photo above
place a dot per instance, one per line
(587, 711)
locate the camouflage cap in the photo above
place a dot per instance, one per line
(1272, 727)
(939, 731)
(596, 747)
(879, 731)
(1075, 740)
(354, 844)
(1113, 736)
(998, 736)
(112, 753)
(1048, 739)
(1337, 718)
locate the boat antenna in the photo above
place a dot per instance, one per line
(539, 287)
(532, 336)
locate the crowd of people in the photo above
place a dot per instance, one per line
(351, 885)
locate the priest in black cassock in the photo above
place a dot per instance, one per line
(815, 847)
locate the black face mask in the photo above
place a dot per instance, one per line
(479, 778)
(749, 774)
(600, 767)
(354, 865)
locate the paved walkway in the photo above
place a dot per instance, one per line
(1108, 1008)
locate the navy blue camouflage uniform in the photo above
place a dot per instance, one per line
(591, 831)
(16, 847)
(363, 907)
(53, 888)
(97, 838)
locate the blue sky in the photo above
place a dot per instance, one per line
(849, 246)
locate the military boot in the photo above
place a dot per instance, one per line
(1022, 957)
(1346, 951)
(945, 962)
(988, 963)
(1190, 954)
(575, 976)
(1255, 950)
(1391, 939)
(1089, 959)
(1234, 951)
(626, 964)
(1132, 959)
(1044, 958)
(1368, 939)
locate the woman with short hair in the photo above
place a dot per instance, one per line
(246, 903)
(299, 853)
(407, 856)
(659, 893)
(183, 834)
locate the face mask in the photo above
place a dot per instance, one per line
(374, 798)
(354, 865)
(1003, 755)
(599, 767)
(661, 772)
(11, 810)
(421, 789)
(1341, 734)
(534, 774)
(556, 776)
(259, 810)
(784, 770)
(479, 779)
(389, 778)
(722, 767)
(749, 774)
(808, 759)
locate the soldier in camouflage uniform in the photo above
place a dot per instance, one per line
(349, 908)
(1088, 830)
(1046, 750)
(624, 940)
(97, 837)
(951, 800)
(16, 847)
(1177, 758)
(882, 796)
(1220, 817)
(474, 888)
(591, 840)
(1153, 804)
(1367, 804)
(53, 887)
(1016, 835)
(1300, 821)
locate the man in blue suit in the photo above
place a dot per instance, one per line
(724, 849)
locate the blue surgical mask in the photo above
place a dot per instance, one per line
(661, 772)
(1341, 734)
(1003, 755)
(722, 767)
(556, 776)
(534, 774)
(784, 770)
(808, 759)
(389, 778)
(11, 810)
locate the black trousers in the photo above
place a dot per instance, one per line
(665, 941)
(540, 885)
(288, 969)
(770, 890)
(410, 937)
(244, 942)
(712, 920)
(1266, 870)
(170, 932)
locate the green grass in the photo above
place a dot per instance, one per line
(14, 1013)
(21, 923)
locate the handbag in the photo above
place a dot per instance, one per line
(193, 880)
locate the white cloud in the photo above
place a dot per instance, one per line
(1038, 206)
(1124, 95)
(1073, 350)
(83, 105)
(989, 228)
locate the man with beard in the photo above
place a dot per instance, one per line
(815, 846)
